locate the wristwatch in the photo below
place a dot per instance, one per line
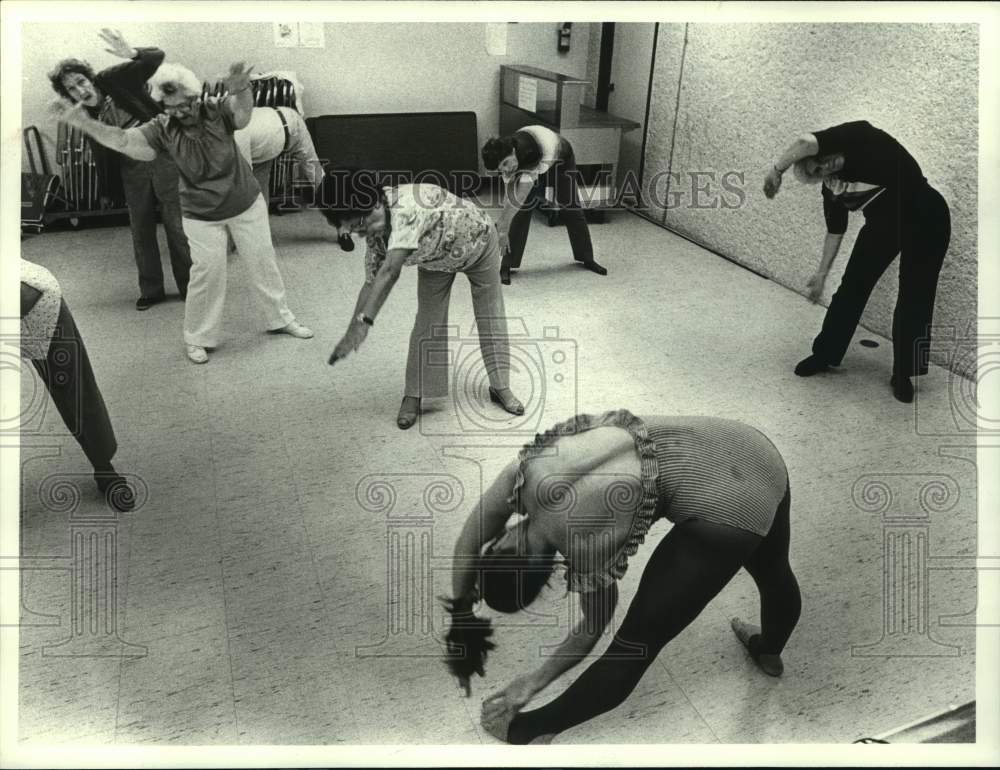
(362, 318)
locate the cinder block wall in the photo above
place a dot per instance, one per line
(730, 97)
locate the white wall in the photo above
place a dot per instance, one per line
(630, 62)
(363, 68)
(745, 91)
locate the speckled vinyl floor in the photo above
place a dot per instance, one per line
(278, 583)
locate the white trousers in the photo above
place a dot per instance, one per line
(206, 294)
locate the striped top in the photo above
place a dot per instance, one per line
(708, 468)
(718, 470)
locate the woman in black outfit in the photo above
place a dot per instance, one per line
(865, 169)
(529, 160)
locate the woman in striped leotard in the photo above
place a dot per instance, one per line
(588, 490)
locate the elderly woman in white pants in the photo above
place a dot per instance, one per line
(218, 195)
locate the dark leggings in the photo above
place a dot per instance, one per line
(69, 378)
(561, 177)
(692, 563)
(919, 233)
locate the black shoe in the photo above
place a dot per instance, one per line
(513, 406)
(145, 303)
(408, 412)
(505, 275)
(902, 388)
(807, 367)
(116, 491)
(346, 242)
(593, 267)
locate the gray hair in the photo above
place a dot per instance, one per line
(802, 173)
(170, 79)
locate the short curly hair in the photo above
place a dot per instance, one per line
(68, 67)
(347, 193)
(170, 79)
(495, 150)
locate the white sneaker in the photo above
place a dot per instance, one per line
(197, 354)
(296, 330)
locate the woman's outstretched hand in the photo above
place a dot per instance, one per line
(496, 719)
(814, 286)
(70, 114)
(238, 78)
(504, 240)
(117, 45)
(772, 182)
(350, 342)
(500, 708)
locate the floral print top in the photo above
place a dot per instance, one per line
(445, 232)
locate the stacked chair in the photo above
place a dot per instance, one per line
(269, 92)
(87, 185)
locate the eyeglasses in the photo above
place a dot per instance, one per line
(180, 109)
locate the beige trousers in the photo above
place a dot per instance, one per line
(206, 295)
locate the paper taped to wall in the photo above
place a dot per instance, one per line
(527, 93)
(311, 34)
(496, 39)
(286, 35)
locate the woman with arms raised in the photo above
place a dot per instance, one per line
(218, 195)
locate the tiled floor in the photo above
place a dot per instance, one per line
(278, 584)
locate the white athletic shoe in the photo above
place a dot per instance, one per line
(296, 330)
(197, 354)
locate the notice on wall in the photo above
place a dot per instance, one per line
(301, 34)
(286, 35)
(311, 34)
(527, 93)
(496, 39)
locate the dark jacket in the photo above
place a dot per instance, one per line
(125, 83)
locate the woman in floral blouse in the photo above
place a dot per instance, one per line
(441, 234)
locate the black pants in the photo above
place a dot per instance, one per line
(69, 378)
(693, 562)
(561, 177)
(145, 184)
(919, 232)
